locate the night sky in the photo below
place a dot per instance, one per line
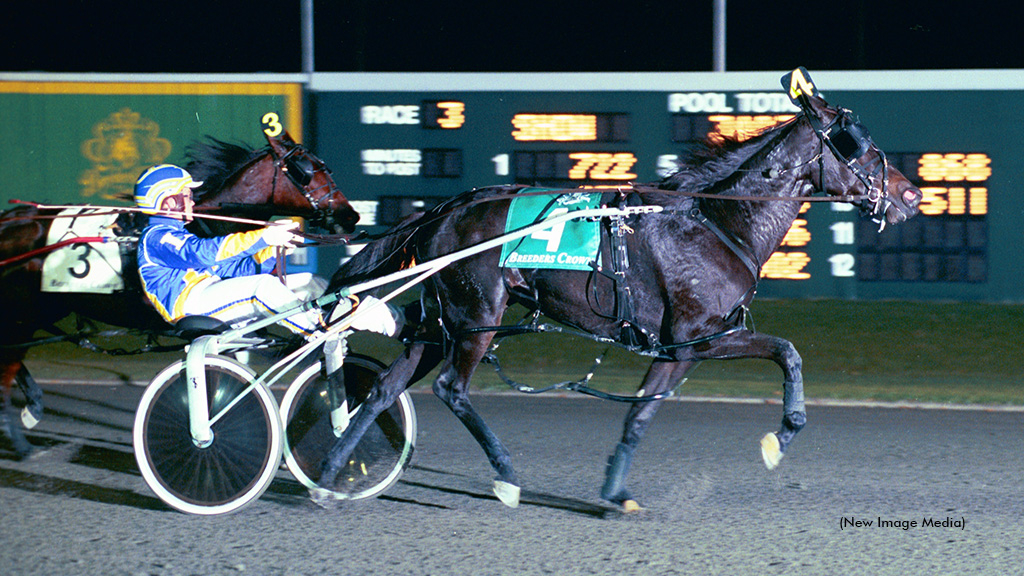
(505, 36)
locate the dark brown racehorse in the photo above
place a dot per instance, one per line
(692, 270)
(283, 178)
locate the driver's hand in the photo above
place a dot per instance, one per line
(282, 235)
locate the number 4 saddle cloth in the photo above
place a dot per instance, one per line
(572, 245)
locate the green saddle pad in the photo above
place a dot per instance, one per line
(572, 245)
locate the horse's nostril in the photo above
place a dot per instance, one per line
(910, 197)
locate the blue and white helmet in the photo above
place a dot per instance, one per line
(159, 183)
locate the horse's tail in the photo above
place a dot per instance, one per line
(389, 253)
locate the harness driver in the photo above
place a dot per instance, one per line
(230, 278)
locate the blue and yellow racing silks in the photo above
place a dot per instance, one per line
(172, 261)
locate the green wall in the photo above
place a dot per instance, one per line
(87, 142)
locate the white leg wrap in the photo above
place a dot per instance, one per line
(507, 493)
(27, 419)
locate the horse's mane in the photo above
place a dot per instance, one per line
(213, 162)
(709, 162)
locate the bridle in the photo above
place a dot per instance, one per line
(300, 168)
(850, 142)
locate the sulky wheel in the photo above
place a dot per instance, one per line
(382, 454)
(230, 472)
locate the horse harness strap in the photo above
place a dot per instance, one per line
(740, 249)
(734, 243)
(630, 332)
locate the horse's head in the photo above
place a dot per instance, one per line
(309, 177)
(852, 165)
(283, 178)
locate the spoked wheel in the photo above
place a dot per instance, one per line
(230, 472)
(381, 455)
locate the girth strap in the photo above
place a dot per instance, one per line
(738, 247)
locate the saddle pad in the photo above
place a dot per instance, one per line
(92, 267)
(572, 245)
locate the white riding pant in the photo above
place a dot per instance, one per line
(247, 298)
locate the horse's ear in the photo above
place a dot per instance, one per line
(814, 105)
(279, 144)
(284, 138)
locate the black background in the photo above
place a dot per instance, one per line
(505, 36)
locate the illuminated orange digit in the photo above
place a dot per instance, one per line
(454, 115)
(957, 199)
(932, 201)
(954, 167)
(614, 167)
(742, 127)
(602, 166)
(798, 234)
(585, 160)
(979, 201)
(605, 162)
(623, 162)
(786, 266)
(977, 167)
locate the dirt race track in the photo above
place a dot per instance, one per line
(81, 507)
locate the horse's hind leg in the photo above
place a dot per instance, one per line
(452, 387)
(661, 377)
(33, 411)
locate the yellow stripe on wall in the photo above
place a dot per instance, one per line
(292, 92)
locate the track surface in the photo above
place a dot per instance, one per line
(81, 507)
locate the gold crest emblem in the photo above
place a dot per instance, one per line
(124, 143)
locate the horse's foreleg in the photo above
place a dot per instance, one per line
(33, 411)
(417, 360)
(661, 376)
(8, 426)
(452, 387)
(794, 415)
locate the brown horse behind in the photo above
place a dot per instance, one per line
(283, 178)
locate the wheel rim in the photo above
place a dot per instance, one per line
(231, 465)
(379, 458)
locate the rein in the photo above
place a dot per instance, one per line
(100, 239)
(118, 210)
(622, 190)
(61, 244)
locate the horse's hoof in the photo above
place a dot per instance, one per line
(27, 419)
(322, 498)
(771, 450)
(631, 507)
(507, 493)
